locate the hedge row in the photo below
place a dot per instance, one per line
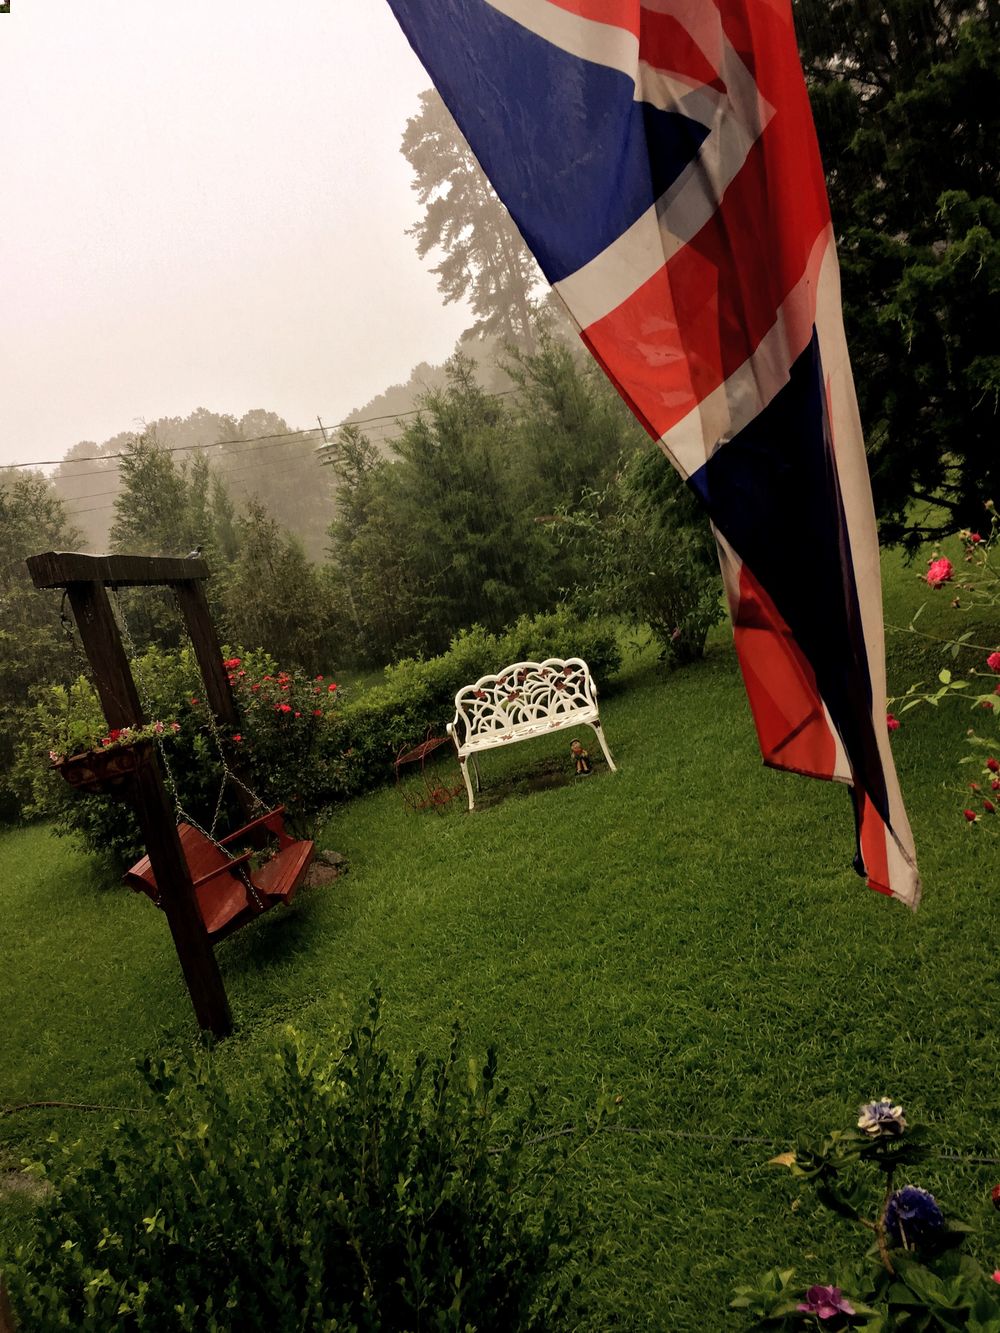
(306, 743)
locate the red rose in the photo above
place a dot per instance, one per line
(284, 708)
(993, 661)
(318, 712)
(995, 1196)
(989, 807)
(237, 737)
(970, 815)
(330, 688)
(892, 722)
(940, 571)
(992, 765)
(988, 704)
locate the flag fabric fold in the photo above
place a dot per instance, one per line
(660, 160)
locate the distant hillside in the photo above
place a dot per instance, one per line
(258, 455)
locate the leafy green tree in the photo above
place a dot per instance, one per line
(571, 424)
(904, 95)
(484, 259)
(33, 647)
(650, 556)
(273, 597)
(441, 537)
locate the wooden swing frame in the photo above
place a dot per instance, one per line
(86, 580)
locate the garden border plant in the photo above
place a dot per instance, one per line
(913, 1275)
(325, 1193)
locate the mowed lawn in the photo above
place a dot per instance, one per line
(685, 935)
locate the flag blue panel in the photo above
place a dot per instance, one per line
(575, 158)
(774, 494)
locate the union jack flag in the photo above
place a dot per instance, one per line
(660, 160)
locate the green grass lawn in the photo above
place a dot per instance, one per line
(686, 935)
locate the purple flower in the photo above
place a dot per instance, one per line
(881, 1120)
(912, 1217)
(825, 1303)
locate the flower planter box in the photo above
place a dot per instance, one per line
(107, 771)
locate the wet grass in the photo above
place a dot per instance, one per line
(685, 935)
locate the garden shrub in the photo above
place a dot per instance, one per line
(327, 1194)
(303, 742)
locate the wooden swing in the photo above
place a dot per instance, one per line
(206, 890)
(228, 889)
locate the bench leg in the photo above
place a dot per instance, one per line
(479, 776)
(463, 763)
(599, 733)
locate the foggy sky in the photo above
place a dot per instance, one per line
(203, 205)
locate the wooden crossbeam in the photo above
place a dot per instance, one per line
(56, 569)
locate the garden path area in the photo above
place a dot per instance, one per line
(685, 935)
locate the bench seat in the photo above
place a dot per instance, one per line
(525, 700)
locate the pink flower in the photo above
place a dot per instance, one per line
(284, 708)
(825, 1303)
(996, 1275)
(993, 661)
(892, 722)
(940, 572)
(175, 726)
(319, 677)
(330, 688)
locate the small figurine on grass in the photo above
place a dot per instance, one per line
(581, 759)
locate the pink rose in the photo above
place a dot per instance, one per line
(892, 722)
(940, 572)
(993, 661)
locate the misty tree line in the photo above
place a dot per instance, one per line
(486, 506)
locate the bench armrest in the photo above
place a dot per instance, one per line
(222, 870)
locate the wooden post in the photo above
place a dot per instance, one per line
(120, 701)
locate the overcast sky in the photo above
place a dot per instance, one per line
(202, 204)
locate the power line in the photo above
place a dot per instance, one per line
(223, 476)
(250, 439)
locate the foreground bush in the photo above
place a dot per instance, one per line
(303, 742)
(328, 1195)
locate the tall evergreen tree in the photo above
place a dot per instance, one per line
(484, 258)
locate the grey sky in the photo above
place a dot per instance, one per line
(203, 204)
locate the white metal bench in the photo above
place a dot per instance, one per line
(525, 700)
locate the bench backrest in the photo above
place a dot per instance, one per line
(524, 692)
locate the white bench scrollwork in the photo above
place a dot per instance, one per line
(525, 700)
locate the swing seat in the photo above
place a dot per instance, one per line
(228, 891)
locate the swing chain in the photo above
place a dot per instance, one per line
(148, 705)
